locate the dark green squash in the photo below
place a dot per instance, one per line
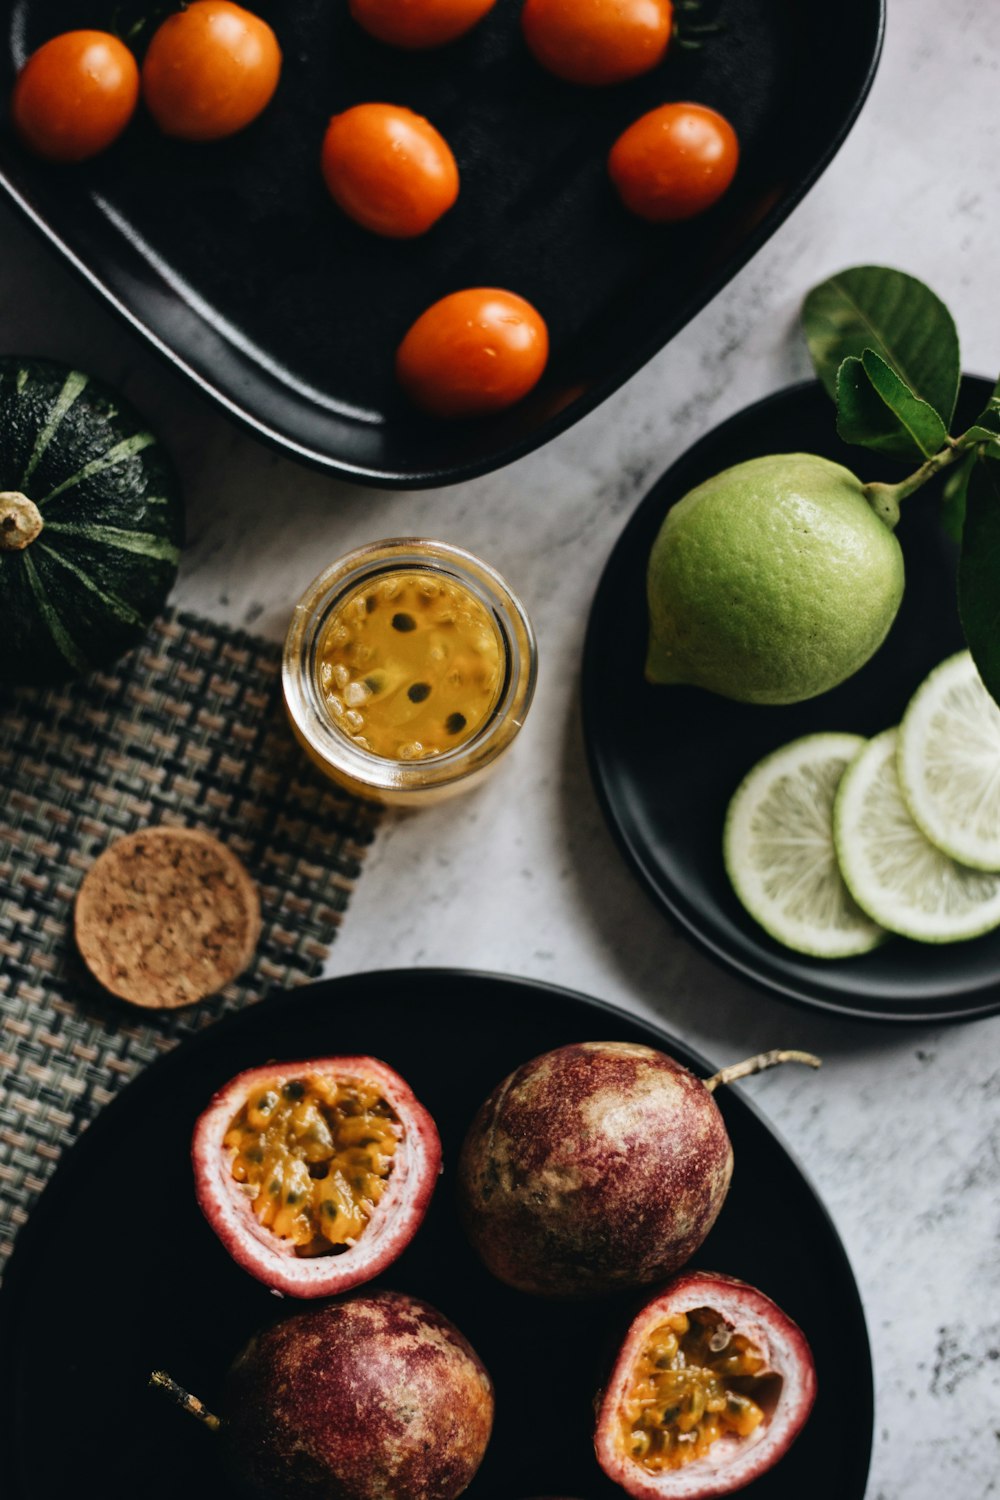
(91, 523)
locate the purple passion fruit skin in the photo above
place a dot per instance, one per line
(596, 1167)
(372, 1398)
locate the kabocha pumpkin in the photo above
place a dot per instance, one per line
(712, 1385)
(91, 523)
(316, 1175)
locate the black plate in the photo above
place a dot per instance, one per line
(116, 1272)
(231, 259)
(665, 761)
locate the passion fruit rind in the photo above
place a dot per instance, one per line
(598, 1166)
(373, 1396)
(390, 1223)
(783, 1385)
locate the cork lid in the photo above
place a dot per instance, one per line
(167, 916)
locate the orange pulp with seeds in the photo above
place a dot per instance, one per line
(410, 665)
(314, 1156)
(470, 656)
(693, 1383)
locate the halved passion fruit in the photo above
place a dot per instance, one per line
(712, 1385)
(315, 1175)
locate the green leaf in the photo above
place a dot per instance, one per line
(953, 495)
(986, 428)
(876, 409)
(979, 572)
(862, 416)
(921, 429)
(873, 307)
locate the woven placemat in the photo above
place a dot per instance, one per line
(190, 730)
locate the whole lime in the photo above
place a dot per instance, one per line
(771, 582)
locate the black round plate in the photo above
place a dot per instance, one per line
(117, 1273)
(665, 761)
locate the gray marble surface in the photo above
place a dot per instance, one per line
(900, 1130)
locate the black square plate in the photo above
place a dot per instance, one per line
(233, 261)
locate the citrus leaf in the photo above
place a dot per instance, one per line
(920, 425)
(875, 409)
(986, 428)
(953, 495)
(873, 307)
(979, 572)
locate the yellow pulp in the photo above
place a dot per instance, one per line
(410, 665)
(693, 1382)
(313, 1155)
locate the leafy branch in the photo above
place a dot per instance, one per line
(886, 349)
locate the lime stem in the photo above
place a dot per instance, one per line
(161, 1381)
(759, 1064)
(884, 498)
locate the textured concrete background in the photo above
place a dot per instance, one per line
(900, 1131)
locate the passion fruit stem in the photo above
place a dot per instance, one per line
(161, 1381)
(20, 521)
(759, 1064)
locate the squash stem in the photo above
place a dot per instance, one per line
(759, 1064)
(20, 521)
(161, 1381)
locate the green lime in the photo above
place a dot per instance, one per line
(949, 763)
(779, 854)
(771, 582)
(893, 872)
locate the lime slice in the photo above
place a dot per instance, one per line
(779, 853)
(949, 763)
(896, 874)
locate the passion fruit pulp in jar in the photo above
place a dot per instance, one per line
(314, 1155)
(411, 665)
(408, 670)
(694, 1382)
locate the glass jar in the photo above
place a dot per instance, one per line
(356, 661)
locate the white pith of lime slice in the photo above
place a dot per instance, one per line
(893, 871)
(779, 851)
(949, 763)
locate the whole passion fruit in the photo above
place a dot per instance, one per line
(315, 1175)
(373, 1397)
(598, 1166)
(711, 1387)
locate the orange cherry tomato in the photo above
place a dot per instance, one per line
(209, 70)
(75, 95)
(674, 162)
(389, 169)
(417, 24)
(473, 352)
(597, 42)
